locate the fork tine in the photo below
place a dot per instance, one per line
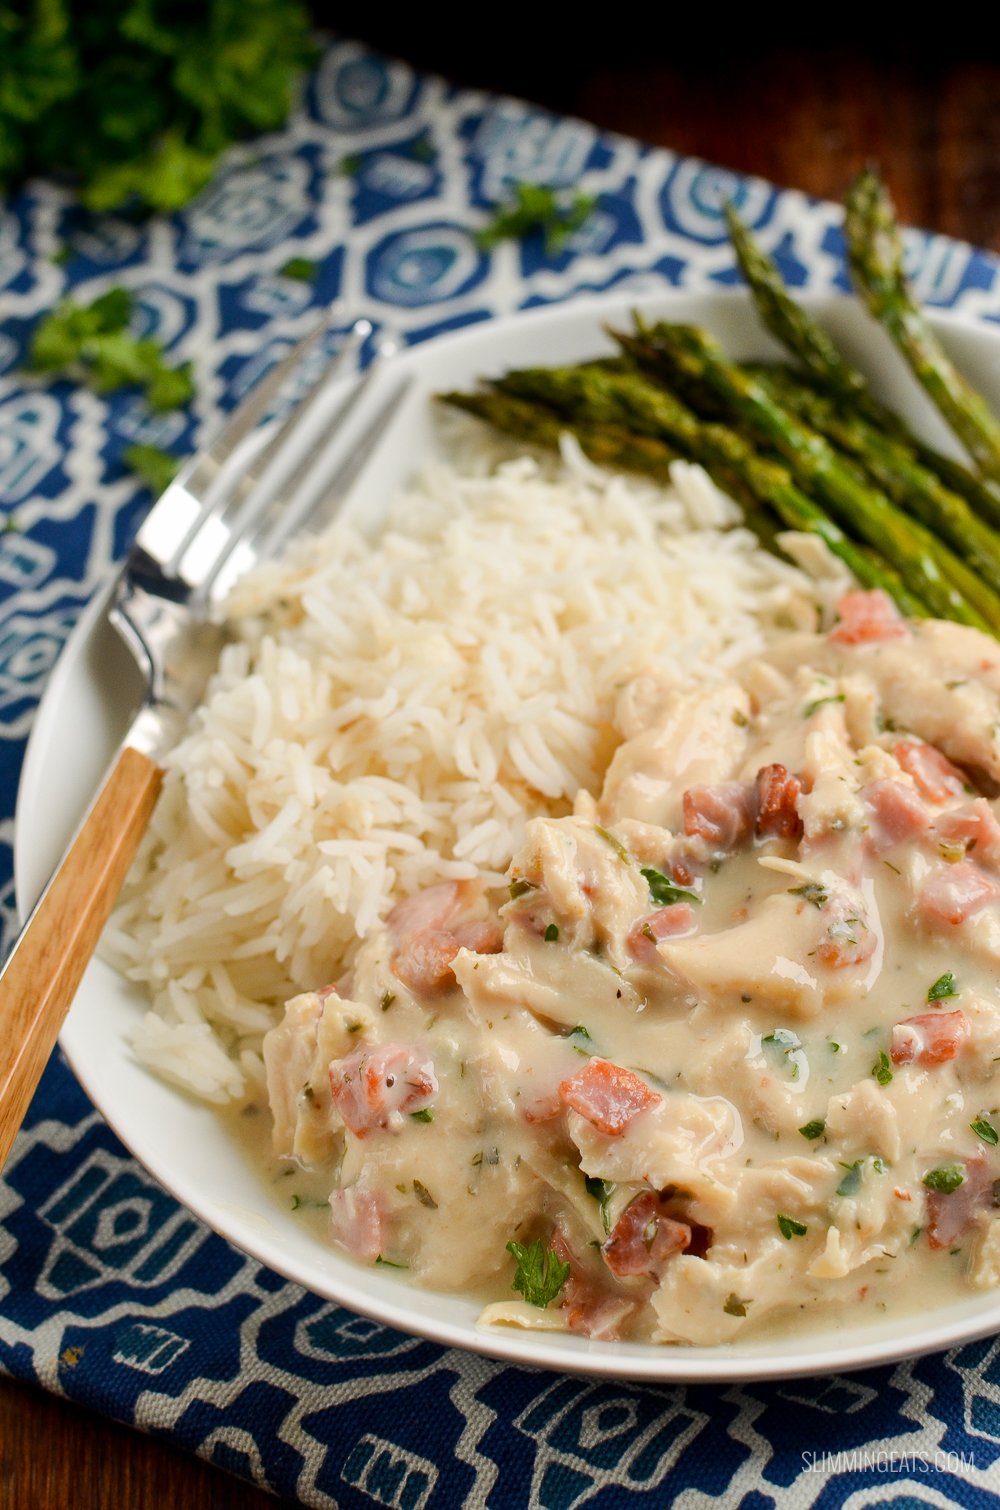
(236, 486)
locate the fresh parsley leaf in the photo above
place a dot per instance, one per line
(813, 1130)
(734, 1306)
(534, 207)
(945, 1179)
(881, 1070)
(91, 343)
(423, 1115)
(539, 1274)
(155, 467)
(984, 1129)
(551, 933)
(663, 891)
(301, 269)
(789, 1227)
(943, 988)
(851, 1183)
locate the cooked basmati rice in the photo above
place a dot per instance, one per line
(389, 715)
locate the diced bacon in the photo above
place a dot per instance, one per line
(665, 922)
(955, 893)
(777, 794)
(589, 1307)
(480, 937)
(645, 1238)
(929, 1038)
(377, 1087)
(898, 814)
(948, 1216)
(428, 931)
(847, 938)
(608, 1096)
(866, 616)
(721, 815)
(936, 778)
(357, 1222)
(973, 826)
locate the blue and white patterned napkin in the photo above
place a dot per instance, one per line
(110, 1292)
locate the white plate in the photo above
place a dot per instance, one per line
(184, 1144)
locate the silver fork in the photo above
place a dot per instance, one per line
(232, 505)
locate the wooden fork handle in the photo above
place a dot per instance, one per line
(54, 948)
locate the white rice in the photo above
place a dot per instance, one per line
(389, 715)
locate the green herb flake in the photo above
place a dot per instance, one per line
(813, 1130)
(851, 1183)
(821, 702)
(789, 1227)
(602, 1191)
(616, 844)
(734, 1306)
(663, 891)
(551, 933)
(387, 1263)
(944, 1179)
(388, 997)
(881, 1070)
(943, 988)
(423, 1115)
(539, 1274)
(812, 892)
(424, 1196)
(520, 888)
(301, 269)
(984, 1129)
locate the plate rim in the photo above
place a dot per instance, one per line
(645, 1362)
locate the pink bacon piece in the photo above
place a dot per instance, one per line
(721, 815)
(777, 793)
(848, 940)
(949, 1215)
(898, 814)
(955, 893)
(935, 776)
(377, 1087)
(645, 1238)
(929, 1038)
(973, 826)
(865, 617)
(589, 1307)
(357, 1222)
(665, 922)
(609, 1097)
(428, 930)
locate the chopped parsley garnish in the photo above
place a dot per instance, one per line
(551, 933)
(602, 1191)
(539, 1274)
(152, 465)
(582, 1041)
(520, 888)
(91, 343)
(944, 1179)
(984, 1129)
(616, 844)
(851, 1183)
(387, 1263)
(535, 207)
(299, 1202)
(734, 1306)
(813, 1130)
(423, 1115)
(388, 997)
(943, 987)
(424, 1196)
(790, 1046)
(881, 1070)
(663, 891)
(789, 1227)
(821, 702)
(301, 269)
(812, 891)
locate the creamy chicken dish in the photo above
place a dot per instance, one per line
(726, 1052)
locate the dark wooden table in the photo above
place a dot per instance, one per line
(803, 115)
